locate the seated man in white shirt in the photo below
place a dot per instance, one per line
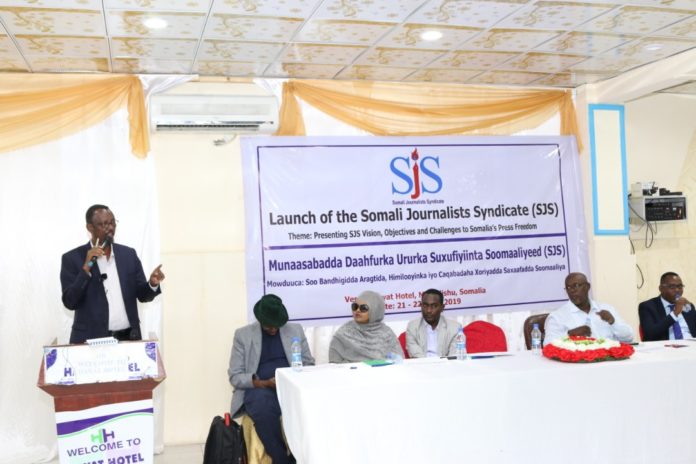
(581, 316)
(431, 335)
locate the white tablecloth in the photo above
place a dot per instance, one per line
(515, 409)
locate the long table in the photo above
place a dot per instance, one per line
(516, 409)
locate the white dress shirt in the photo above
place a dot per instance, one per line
(569, 316)
(432, 341)
(118, 319)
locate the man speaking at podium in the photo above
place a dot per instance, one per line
(102, 280)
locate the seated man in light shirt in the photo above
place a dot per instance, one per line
(431, 335)
(581, 316)
(668, 316)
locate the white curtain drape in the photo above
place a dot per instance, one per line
(44, 193)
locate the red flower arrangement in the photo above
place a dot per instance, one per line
(586, 349)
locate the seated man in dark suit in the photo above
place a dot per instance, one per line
(668, 316)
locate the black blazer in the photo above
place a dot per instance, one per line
(655, 323)
(85, 294)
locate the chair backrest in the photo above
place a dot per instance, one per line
(402, 340)
(529, 325)
(482, 336)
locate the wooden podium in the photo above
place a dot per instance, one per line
(109, 421)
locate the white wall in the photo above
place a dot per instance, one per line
(202, 224)
(661, 138)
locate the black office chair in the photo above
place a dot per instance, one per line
(529, 325)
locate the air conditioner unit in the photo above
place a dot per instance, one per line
(227, 113)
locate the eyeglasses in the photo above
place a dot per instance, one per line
(674, 286)
(575, 286)
(363, 308)
(104, 225)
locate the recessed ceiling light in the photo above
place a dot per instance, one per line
(155, 23)
(653, 47)
(431, 35)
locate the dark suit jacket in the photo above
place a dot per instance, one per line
(85, 294)
(655, 322)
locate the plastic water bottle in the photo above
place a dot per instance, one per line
(536, 339)
(460, 345)
(296, 359)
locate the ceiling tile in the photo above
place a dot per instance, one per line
(370, 10)
(229, 68)
(63, 46)
(126, 47)
(224, 50)
(606, 63)
(510, 39)
(63, 64)
(198, 6)
(408, 35)
(588, 43)
(635, 20)
(571, 79)
(473, 60)
(301, 70)
(399, 57)
(288, 8)
(673, 4)
(148, 65)
(32, 21)
(343, 32)
(507, 77)
(480, 14)
(179, 25)
(320, 54)
(375, 73)
(7, 47)
(683, 29)
(55, 4)
(12, 65)
(554, 15)
(650, 49)
(442, 75)
(543, 62)
(235, 27)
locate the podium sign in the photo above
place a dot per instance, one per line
(120, 433)
(79, 364)
(103, 400)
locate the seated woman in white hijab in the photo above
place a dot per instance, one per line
(366, 336)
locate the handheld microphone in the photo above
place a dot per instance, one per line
(107, 241)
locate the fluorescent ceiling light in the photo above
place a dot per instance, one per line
(652, 47)
(155, 23)
(431, 35)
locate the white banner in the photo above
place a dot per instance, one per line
(495, 223)
(119, 433)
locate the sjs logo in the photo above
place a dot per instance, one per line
(415, 176)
